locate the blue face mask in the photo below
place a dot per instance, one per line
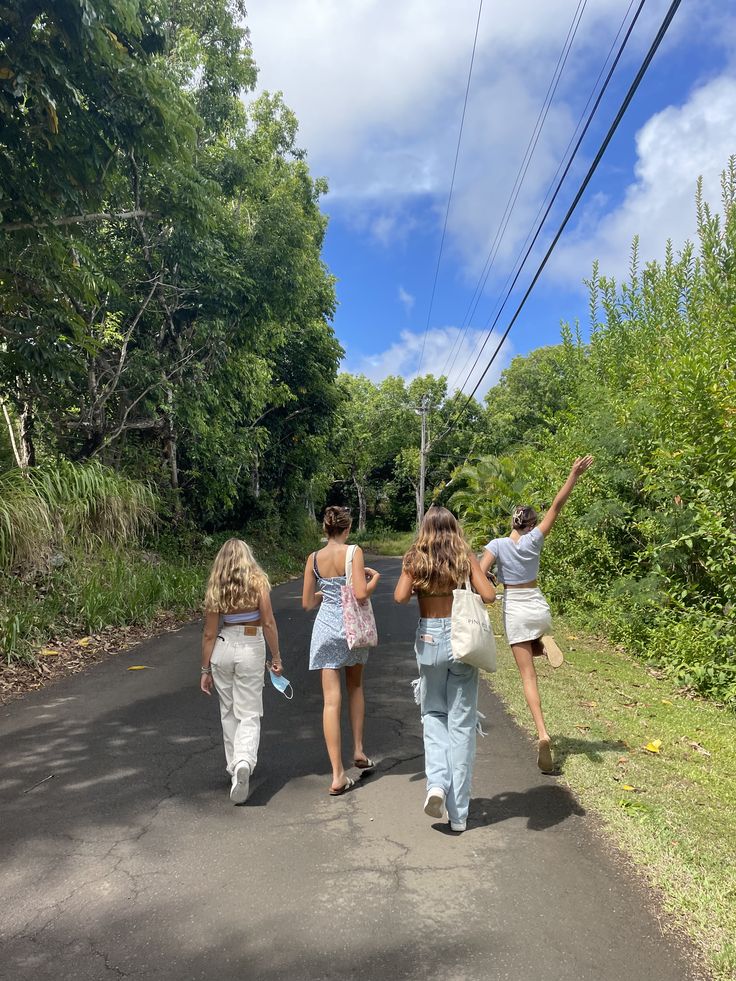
(281, 684)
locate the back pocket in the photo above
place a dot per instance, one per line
(425, 648)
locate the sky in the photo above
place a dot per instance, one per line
(378, 87)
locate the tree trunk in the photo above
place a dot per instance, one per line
(255, 479)
(170, 443)
(27, 446)
(11, 433)
(362, 506)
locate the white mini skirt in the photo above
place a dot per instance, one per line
(526, 615)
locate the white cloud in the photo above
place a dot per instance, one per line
(378, 90)
(445, 348)
(674, 147)
(406, 300)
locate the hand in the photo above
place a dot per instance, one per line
(275, 665)
(580, 466)
(206, 684)
(370, 573)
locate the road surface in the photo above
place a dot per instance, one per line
(123, 857)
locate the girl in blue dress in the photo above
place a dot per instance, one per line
(329, 653)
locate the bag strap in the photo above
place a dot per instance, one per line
(349, 564)
(467, 584)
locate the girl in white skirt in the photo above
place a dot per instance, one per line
(526, 615)
(238, 622)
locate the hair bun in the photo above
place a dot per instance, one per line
(523, 516)
(336, 519)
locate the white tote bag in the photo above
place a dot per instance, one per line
(472, 637)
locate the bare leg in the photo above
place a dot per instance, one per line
(356, 707)
(525, 663)
(332, 694)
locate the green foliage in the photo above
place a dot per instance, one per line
(163, 302)
(107, 586)
(377, 438)
(646, 548)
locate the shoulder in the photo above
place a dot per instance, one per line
(492, 546)
(536, 537)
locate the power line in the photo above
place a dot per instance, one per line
(452, 186)
(518, 182)
(548, 192)
(552, 183)
(552, 200)
(581, 190)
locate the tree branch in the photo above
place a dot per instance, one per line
(22, 226)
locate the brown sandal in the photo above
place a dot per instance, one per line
(545, 762)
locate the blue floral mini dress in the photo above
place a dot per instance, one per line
(329, 648)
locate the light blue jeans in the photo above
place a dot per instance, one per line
(448, 700)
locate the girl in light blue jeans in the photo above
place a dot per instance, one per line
(438, 561)
(448, 693)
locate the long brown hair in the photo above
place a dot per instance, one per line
(236, 581)
(439, 559)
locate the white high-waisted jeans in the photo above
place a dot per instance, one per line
(237, 663)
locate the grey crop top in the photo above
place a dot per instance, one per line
(517, 562)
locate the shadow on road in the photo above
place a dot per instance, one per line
(543, 807)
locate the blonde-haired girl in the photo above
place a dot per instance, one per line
(238, 615)
(438, 562)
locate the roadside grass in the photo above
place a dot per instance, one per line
(383, 541)
(672, 807)
(122, 586)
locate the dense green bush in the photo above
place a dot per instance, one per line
(647, 546)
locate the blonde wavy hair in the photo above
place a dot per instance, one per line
(439, 559)
(236, 581)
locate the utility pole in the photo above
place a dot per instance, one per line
(423, 454)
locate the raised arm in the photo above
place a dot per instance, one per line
(578, 469)
(270, 631)
(485, 589)
(311, 597)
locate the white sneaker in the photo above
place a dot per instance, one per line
(240, 784)
(434, 805)
(458, 825)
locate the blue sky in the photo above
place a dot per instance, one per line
(378, 87)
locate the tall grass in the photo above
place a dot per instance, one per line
(46, 508)
(110, 585)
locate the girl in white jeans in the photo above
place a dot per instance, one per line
(438, 561)
(238, 616)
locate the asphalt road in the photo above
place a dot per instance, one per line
(128, 860)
